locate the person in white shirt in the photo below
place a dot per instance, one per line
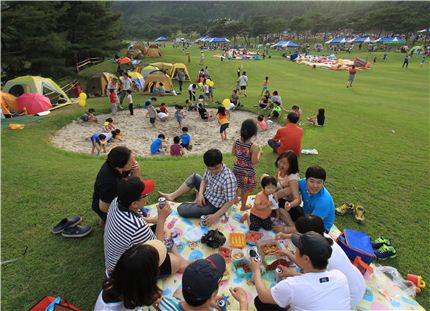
(315, 289)
(243, 82)
(126, 85)
(338, 260)
(133, 282)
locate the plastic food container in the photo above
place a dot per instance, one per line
(242, 268)
(252, 237)
(237, 240)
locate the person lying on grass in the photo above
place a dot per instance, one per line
(216, 190)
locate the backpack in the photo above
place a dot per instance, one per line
(213, 239)
(356, 244)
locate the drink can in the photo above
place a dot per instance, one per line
(203, 220)
(161, 202)
(222, 304)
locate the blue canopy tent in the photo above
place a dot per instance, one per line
(361, 40)
(425, 30)
(285, 44)
(201, 39)
(390, 40)
(336, 40)
(161, 39)
(218, 40)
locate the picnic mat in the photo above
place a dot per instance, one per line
(390, 297)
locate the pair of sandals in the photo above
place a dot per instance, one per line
(69, 228)
(350, 208)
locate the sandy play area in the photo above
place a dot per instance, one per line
(138, 132)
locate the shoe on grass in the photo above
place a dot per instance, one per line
(66, 223)
(379, 241)
(77, 232)
(346, 208)
(385, 252)
(359, 214)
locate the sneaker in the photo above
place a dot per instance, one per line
(385, 252)
(359, 214)
(379, 241)
(346, 208)
(77, 232)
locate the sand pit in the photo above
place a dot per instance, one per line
(138, 133)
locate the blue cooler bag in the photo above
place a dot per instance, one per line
(355, 243)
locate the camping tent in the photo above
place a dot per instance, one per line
(140, 46)
(146, 70)
(285, 44)
(419, 49)
(166, 67)
(33, 103)
(137, 80)
(8, 103)
(97, 84)
(336, 40)
(161, 39)
(176, 67)
(134, 53)
(36, 84)
(153, 51)
(157, 77)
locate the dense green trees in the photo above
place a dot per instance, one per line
(48, 38)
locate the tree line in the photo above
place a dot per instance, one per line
(49, 37)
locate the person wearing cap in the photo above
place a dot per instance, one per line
(315, 289)
(317, 200)
(200, 283)
(338, 260)
(133, 282)
(126, 225)
(216, 190)
(120, 163)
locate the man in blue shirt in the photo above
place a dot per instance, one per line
(185, 138)
(157, 145)
(316, 198)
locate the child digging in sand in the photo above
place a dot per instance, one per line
(176, 149)
(247, 155)
(222, 117)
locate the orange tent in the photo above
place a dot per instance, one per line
(8, 103)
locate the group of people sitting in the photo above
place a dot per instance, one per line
(136, 257)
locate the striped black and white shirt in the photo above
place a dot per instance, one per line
(123, 230)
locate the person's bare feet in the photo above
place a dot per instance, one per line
(245, 207)
(244, 218)
(168, 196)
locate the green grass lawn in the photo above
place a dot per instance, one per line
(366, 162)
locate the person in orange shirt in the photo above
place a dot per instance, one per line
(288, 137)
(223, 120)
(262, 209)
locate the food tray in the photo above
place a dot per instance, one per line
(237, 240)
(225, 252)
(252, 237)
(267, 250)
(242, 268)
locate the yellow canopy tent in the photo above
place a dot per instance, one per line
(97, 84)
(179, 66)
(156, 77)
(41, 85)
(166, 67)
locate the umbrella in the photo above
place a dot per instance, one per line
(134, 75)
(336, 40)
(124, 60)
(218, 40)
(33, 102)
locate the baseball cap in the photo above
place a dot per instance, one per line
(313, 245)
(160, 247)
(132, 188)
(200, 279)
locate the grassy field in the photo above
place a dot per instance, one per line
(374, 146)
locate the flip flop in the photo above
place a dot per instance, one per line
(66, 223)
(77, 232)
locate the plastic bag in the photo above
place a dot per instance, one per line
(382, 272)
